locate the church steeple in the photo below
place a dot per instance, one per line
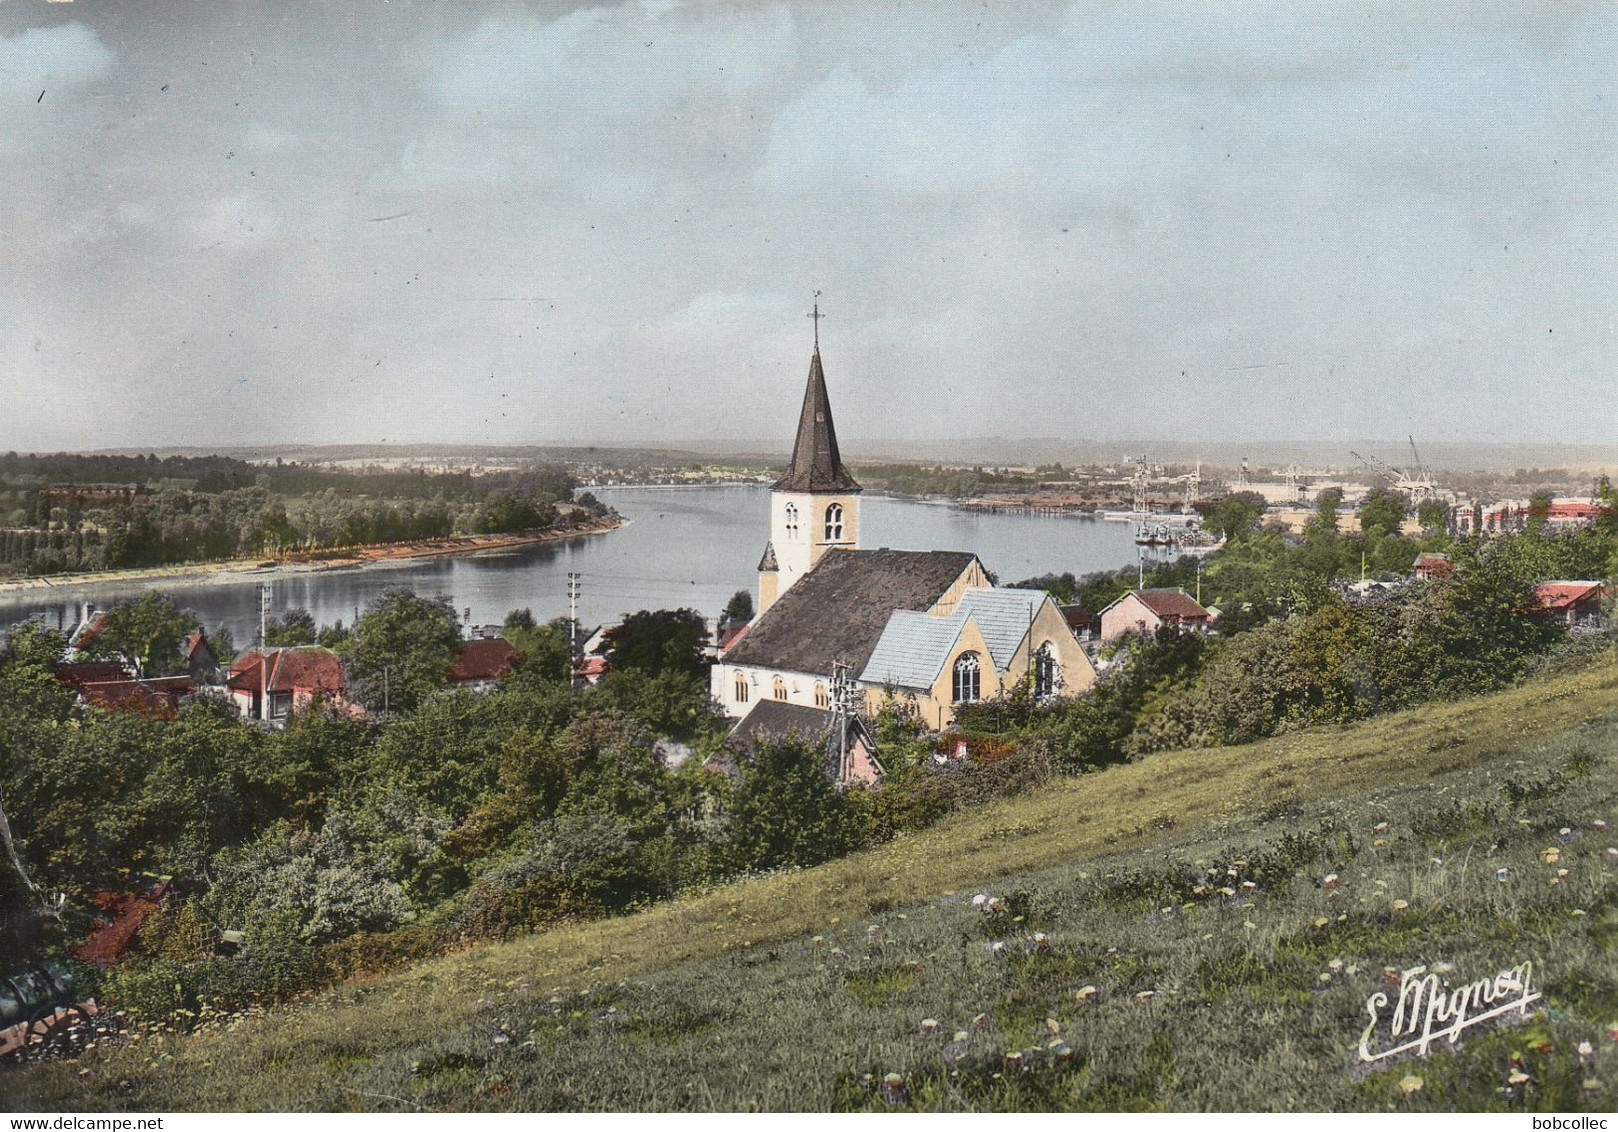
(816, 464)
(815, 507)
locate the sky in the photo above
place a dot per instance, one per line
(245, 223)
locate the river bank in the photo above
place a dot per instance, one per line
(232, 571)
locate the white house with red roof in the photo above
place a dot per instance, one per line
(297, 677)
(1145, 611)
(479, 665)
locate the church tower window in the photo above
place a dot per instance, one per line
(792, 520)
(966, 678)
(780, 689)
(822, 697)
(741, 688)
(834, 523)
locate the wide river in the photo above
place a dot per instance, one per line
(682, 547)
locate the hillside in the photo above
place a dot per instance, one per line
(802, 990)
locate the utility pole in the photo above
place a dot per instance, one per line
(263, 652)
(573, 616)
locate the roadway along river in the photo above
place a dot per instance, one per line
(683, 547)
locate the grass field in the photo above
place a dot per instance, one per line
(804, 990)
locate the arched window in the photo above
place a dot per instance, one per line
(792, 520)
(1047, 673)
(966, 678)
(741, 688)
(834, 523)
(822, 697)
(780, 688)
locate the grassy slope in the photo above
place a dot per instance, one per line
(721, 1001)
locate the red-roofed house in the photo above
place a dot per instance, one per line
(479, 665)
(156, 698)
(1568, 602)
(591, 669)
(1145, 611)
(1434, 566)
(297, 678)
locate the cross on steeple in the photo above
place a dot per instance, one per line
(817, 316)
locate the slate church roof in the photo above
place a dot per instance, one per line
(914, 646)
(838, 610)
(816, 464)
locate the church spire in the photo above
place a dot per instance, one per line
(816, 464)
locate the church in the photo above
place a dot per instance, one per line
(927, 627)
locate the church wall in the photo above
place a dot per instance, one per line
(800, 687)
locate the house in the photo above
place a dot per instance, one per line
(1434, 566)
(1568, 603)
(1083, 623)
(591, 669)
(480, 664)
(826, 606)
(1145, 611)
(772, 721)
(200, 663)
(295, 678)
(157, 697)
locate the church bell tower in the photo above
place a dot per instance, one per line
(815, 507)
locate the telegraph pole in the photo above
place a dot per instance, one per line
(263, 652)
(573, 616)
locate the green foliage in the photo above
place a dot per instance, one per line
(543, 653)
(1381, 513)
(787, 811)
(740, 606)
(145, 634)
(1327, 505)
(658, 641)
(1234, 516)
(402, 650)
(291, 628)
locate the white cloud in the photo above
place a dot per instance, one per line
(38, 59)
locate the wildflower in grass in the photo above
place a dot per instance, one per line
(1085, 993)
(818, 943)
(1599, 826)
(1144, 995)
(997, 948)
(1400, 905)
(873, 933)
(1249, 925)
(894, 1091)
(1330, 882)
(1042, 942)
(958, 1049)
(1586, 1051)
(1565, 835)
(980, 900)
(1612, 850)
(1503, 875)
(1380, 827)
(1335, 964)
(1321, 922)
(838, 954)
(1227, 892)
(1410, 1083)
(1015, 1059)
(1561, 872)
(1550, 856)
(980, 1022)
(1612, 1031)
(1060, 1052)
(1052, 1026)
(929, 1025)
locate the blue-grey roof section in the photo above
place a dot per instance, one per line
(912, 649)
(1004, 617)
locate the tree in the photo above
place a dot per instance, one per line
(786, 809)
(740, 606)
(145, 635)
(1382, 513)
(402, 649)
(519, 619)
(1326, 506)
(1234, 516)
(543, 653)
(1433, 515)
(292, 628)
(658, 641)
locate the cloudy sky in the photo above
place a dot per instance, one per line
(232, 223)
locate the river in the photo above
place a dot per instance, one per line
(682, 547)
